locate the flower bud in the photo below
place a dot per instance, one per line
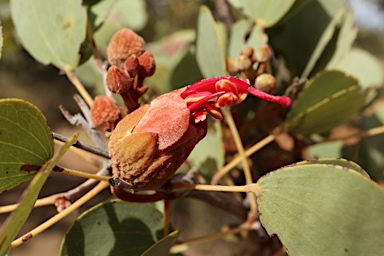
(264, 53)
(147, 64)
(105, 113)
(117, 81)
(122, 45)
(265, 82)
(131, 65)
(150, 144)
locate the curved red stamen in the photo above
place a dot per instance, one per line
(282, 100)
(198, 103)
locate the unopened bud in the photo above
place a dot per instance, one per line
(105, 113)
(264, 53)
(265, 82)
(122, 45)
(117, 81)
(147, 64)
(131, 65)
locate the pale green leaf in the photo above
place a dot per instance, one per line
(51, 31)
(26, 142)
(369, 74)
(16, 220)
(243, 34)
(328, 100)
(335, 161)
(329, 149)
(114, 228)
(266, 13)
(209, 47)
(322, 210)
(162, 247)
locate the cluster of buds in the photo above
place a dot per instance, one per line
(150, 144)
(254, 64)
(130, 64)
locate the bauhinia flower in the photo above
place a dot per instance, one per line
(150, 144)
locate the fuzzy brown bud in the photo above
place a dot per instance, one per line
(105, 113)
(122, 45)
(131, 65)
(118, 81)
(147, 64)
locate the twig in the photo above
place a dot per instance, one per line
(239, 145)
(205, 239)
(367, 133)
(96, 190)
(81, 145)
(235, 161)
(78, 85)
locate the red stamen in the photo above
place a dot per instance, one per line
(282, 100)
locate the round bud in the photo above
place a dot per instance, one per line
(122, 45)
(265, 82)
(105, 113)
(264, 53)
(117, 81)
(147, 65)
(131, 65)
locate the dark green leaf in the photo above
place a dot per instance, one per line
(16, 220)
(162, 247)
(320, 209)
(51, 31)
(209, 46)
(114, 228)
(328, 100)
(26, 142)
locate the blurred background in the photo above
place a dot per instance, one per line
(22, 77)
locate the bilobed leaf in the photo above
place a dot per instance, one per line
(97, 12)
(162, 247)
(320, 209)
(16, 220)
(114, 228)
(131, 14)
(243, 35)
(209, 47)
(264, 12)
(51, 31)
(26, 142)
(329, 99)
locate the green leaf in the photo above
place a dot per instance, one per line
(97, 12)
(322, 210)
(369, 74)
(329, 149)
(209, 46)
(323, 42)
(131, 14)
(292, 38)
(336, 161)
(16, 220)
(26, 142)
(243, 34)
(162, 247)
(340, 44)
(264, 12)
(114, 228)
(208, 155)
(328, 100)
(51, 31)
